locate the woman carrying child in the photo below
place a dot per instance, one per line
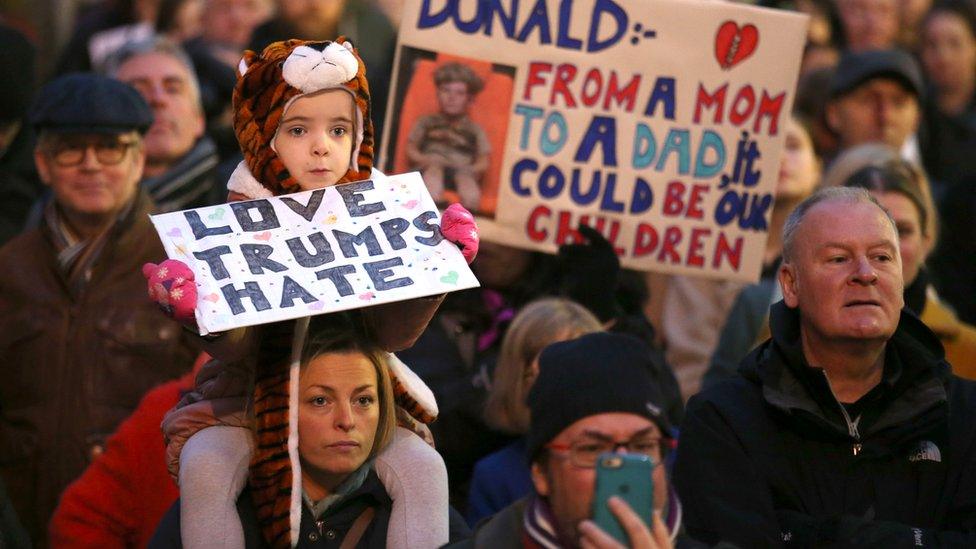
(302, 118)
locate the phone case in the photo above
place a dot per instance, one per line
(627, 476)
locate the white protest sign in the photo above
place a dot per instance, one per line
(659, 123)
(338, 248)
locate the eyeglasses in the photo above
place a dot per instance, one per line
(585, 453)
(108, 152)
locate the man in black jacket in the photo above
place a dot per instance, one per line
(846, 427)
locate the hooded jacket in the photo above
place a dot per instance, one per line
(771, 458)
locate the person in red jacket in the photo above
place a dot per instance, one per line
(124, 493)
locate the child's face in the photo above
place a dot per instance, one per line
(315, 138)
(453, 98)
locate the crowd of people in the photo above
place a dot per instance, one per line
(829, 403)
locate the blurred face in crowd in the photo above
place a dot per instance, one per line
(799, 170)
(187, 21)
(231, 22)
(845, 274)
(92, 176)
(145, 10)
(912, 12)
(949, 51)
(312, 19)
(568, 486)
(167, 85)
(913, 244)
(338, 414)
(500, 267)
(880, 110)
(869, 24)
(315, 138)
(819, 30)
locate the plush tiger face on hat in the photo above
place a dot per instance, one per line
(268, 83)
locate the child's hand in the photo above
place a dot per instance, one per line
(172, 287)
(458, 226)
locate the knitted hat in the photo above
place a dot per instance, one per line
(597, 373)
(267, 84)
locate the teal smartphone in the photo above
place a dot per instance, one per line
(627, 476)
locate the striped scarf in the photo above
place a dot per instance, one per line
(540, 525)
(186, 184)
(77, 258)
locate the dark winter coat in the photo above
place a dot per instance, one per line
(74, 366)
(771, 458)
(335, 523)
(333, 526)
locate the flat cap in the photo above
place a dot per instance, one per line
(595, 374)
(857, 68)
(90, 103)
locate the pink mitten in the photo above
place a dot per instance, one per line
(172, 287)
(458, 226)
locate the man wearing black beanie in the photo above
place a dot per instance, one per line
(593, 395)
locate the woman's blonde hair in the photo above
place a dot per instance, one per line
(539, 324)
(348, 340)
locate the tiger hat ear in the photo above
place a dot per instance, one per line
(347, 43)
(249, 58)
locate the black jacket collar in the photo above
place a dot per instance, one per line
(915, 379)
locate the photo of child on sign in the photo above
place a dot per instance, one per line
(445, 130)
(449, 149)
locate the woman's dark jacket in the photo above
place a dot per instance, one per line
(334, 523)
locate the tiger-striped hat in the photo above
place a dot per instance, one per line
(267, 84)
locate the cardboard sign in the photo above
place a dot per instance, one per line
(658, 123)
(314, 252)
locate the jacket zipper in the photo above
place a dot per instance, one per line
(851, 424)
(852, 429)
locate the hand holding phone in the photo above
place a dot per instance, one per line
(639, 536)
(627, 477)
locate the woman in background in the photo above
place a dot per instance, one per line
(503, 476)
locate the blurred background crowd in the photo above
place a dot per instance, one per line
(886, 100)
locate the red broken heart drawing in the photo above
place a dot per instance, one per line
(733, 44)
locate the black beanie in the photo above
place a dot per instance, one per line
(598, 373)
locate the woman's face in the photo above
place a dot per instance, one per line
(338, 412)
(914, 246)
(799, 169)
(948, 51)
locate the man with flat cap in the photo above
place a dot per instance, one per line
(81, 342)
(875, 97)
